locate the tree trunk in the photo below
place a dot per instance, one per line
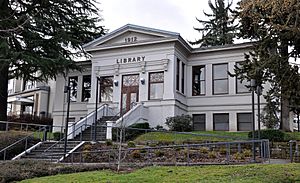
(284, 78)
(3, 93)
(285, 116)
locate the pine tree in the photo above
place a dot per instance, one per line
(44, 37)
(274, 25)
(219, 29)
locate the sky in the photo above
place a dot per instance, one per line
(170, 15)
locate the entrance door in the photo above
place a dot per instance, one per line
(130, 92)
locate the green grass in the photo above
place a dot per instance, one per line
(243, 173)
(179, 138)
(215, 136)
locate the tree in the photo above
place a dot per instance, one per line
(40, 39)
(219, 29)
(274, 25)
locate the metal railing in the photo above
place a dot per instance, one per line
(25, 141)
(10, 125)
(294, 151)
(89, 119)
(187, 154)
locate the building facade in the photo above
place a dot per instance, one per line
(158, 70)
(30, 97)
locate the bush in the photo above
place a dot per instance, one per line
(272, 135)
(57, 136)
(212, 155)
(181, 123)
(108, 143)
(11, 171)
(130, 144)
(136, 154)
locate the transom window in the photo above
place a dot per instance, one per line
(131, 80)
(156, 85)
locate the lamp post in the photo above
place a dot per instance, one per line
(258, 92)
(68, 91)
(96, 110)
(253, 85)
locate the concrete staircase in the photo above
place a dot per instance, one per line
(88, 133)
(54, 154)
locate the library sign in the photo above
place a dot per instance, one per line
(130, 60)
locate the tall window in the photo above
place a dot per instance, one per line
(221, 122)
(199, 122)
(182, 77)
(156, 85)
(244, 121)
(241, 85)
(177, 74)
(198, 80)
(86, 88)
(106, 88)
(220, 79)
(73, 83)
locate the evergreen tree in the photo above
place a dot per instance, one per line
(274, 25)
(40, 36)
(219, 29)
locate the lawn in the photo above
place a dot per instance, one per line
(196, 136)
(202, 136)
(243, 173)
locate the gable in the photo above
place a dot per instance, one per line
(130, 34)
(130, 37)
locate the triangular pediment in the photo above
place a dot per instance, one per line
(130, 34)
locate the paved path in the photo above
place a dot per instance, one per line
(278, 161)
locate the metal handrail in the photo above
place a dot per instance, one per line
(24, 138)
(62, 139)
(89, 113)
(28, 124)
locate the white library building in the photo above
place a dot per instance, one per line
(147, 75)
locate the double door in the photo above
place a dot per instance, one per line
(129, 92)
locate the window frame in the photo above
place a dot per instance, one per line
(214, 123)
(83, 88)
(103, 86)
(238, 123)
(177, 74)
(154, 82)
(74, 88)
(200, 80)
(222, 79)
(203, 114)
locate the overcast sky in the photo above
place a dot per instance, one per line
(171, 15)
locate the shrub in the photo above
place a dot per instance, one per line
(108, 143)
(181, 123)
(203, 150)
(11, 171)
(239, 156)
(247, 153)
(212, 154)
(131, 144)
(159, 153)
(272, 135)
(57, 136)
(136, 154)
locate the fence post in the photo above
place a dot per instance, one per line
(6, 128)
(109, 125)
(4, 155)
(188, 154)
(228, 153)
(291, 150)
